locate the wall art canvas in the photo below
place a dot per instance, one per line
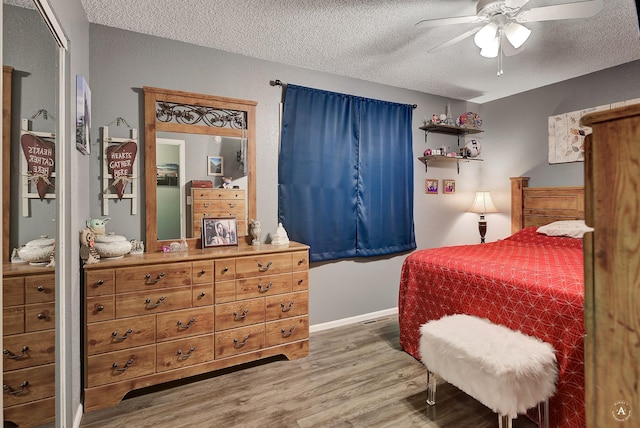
(83, 115)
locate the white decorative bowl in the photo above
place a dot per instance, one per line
(37, 251)
(112, 246)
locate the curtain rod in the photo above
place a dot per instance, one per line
(278, 82)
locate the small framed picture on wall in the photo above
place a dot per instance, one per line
(431, 187)
(448, 186)
(215, 165)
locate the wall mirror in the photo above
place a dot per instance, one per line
(30, 57)
(217, 136)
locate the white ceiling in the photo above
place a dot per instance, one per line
(376, 40)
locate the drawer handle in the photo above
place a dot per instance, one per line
(201, 296)
(150, 305)
(239, 344)
(286, 333)
(237, 317)
(40, 288)
(206, 205)
(300, 281)
(99, 308)
(156, 280)
(264, 269)
(187, 355)
(301, 262)
(121, 338)
(100, 282)
(43, 315)
(286, 308)
(232, 205)
(12, 391)
(202, 272)
(225, 270)
(13, 356)
(187, 325)
(264, 288)
(124, 368)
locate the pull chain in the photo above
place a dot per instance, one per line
(500, 71)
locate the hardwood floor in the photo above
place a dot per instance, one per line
(355, 376)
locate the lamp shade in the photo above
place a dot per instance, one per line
(486, 35)
(491, 49)
(483, 203)
(516, 34)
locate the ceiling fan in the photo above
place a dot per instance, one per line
(503, 19)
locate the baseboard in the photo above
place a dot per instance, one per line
(78, 417)
(352, 320)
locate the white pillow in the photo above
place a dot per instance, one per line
(571, 228)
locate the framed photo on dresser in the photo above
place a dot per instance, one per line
(218, 232)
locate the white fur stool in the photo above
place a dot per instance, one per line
(505, 370)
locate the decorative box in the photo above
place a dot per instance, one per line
(202, 184)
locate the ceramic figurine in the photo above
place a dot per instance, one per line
(280, 237)
(255, 232)
(137, 247)
(52, 260)
(226, 182)
(97, 225)
(88, 252)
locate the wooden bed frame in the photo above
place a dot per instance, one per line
(535, 206)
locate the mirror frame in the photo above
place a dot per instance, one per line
(7, 73)
(153, 96)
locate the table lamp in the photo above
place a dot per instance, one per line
(482, 205)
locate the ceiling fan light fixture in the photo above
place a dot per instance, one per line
(517, 34)
(486, 35)
(491, 49)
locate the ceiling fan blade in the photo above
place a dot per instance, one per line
(455, 40)
(427, 23)
(584, 9)
(515, 4)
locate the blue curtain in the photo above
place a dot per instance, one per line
(345, 174)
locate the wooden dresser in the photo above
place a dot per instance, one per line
(217, 203)
(612, 260)
(156, 317)
(28, 346)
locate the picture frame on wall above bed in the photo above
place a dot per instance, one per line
(431, 187)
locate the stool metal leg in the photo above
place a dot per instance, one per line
(505, 421)
(431, 388)
(543, 414)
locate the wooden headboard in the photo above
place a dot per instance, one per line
(535, 206)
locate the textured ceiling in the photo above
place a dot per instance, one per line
(376, 40)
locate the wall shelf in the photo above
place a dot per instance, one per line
(448, 129)
(457, 159)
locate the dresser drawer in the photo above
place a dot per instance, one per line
(202, 295)
(202, 272)
(238, 314)
(33, 413)
(13, 320)
(177, 324)
(152, 277)
(28, 349)
(199, 194)
(109, 336)
(284, 331)
(29, 384)
(268, 264)
(300, 280)
(216, 209)
(120, 365)
(300, 260)
(225, 270)
(39, 288)
(40, 316)
(263, 286)
(153, 301)
(225, 291)
(239, 340)
(12, 291)
(184, 352)
(287, 305)
(100, 282)
(100, 308)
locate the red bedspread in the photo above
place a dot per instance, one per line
(528, 282)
